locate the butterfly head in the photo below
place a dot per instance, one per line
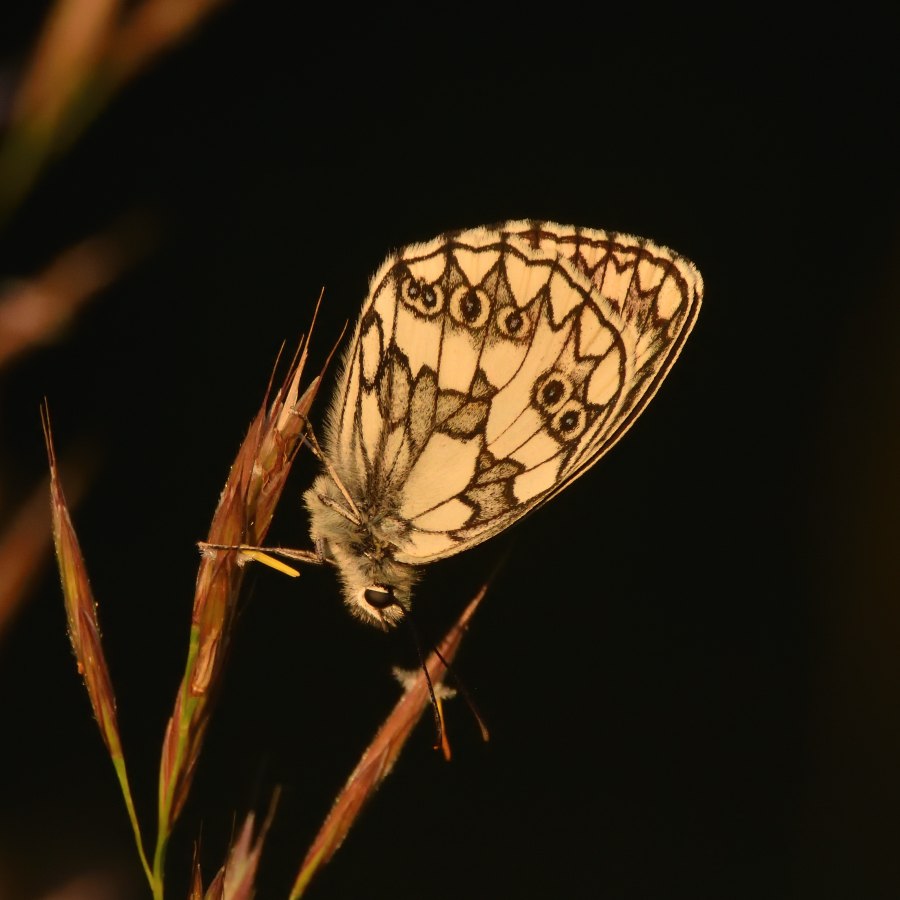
(377, 604)
(376, 591)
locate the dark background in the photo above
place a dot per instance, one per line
(689, 662)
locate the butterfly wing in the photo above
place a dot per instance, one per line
(491, 367)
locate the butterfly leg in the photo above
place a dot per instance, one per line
(266, 555)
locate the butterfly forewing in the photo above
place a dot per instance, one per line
(491, 367)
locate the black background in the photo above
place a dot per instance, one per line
(689, 662)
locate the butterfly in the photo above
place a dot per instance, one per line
(489, 368)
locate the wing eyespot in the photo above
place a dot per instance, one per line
(425, 299)
(569, 423)
(552, 390)
(514, 323)
(469, 307)
(430, 298)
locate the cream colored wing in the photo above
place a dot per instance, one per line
(491, 367)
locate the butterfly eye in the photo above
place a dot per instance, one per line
(513, 323)
(470, 306)
(427, 299)
(551, 391)
(379, 597)
(569, 422)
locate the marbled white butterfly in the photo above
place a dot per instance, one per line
(488, 370)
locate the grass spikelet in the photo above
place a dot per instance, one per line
(243, 516)
(84, 632)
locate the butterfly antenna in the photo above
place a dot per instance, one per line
(451, 671)
(464, 691)
(354, 516)
(439, 741)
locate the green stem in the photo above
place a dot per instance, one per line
(119, 765)
(171, 779)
